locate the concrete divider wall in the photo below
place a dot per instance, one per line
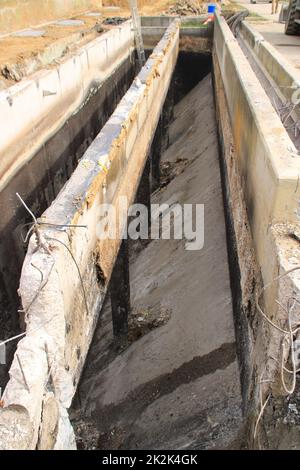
(193, 37)
(34, 109)
(61, 319)
(267, 158)
(260, 174)
(278, 68)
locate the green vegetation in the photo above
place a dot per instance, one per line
(193, 24)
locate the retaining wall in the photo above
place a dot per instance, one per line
(65, 275)
(268, 160)
(276, 66)
(47, 122)
(34, 109)
(261, 171)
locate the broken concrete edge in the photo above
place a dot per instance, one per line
(277, 67)
(36, 108)
(62, 317)
(271, 197)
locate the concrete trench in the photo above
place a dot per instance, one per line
(176, 384)
(180, 368)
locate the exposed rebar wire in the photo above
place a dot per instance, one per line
(288, 339)
(292, 349)
(277, 278)
(23, 373)
(41, 287)
(35, 224)
(27, 208)
(262, 409)
(77, 267)
(51, 224)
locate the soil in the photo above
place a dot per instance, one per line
(21, 56)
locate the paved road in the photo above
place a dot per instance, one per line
(273, 31)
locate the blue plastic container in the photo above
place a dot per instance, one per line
(211, 8)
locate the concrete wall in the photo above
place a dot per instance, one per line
(20, 14)
(192, 38)
(267, 157)
(34, 109)
(261, 174)
(44, 132)
(278, 71)
(61, 320)
(42, 177)
(277, 67)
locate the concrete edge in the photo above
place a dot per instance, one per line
(279, 69)
(268, 158)
(268, 167)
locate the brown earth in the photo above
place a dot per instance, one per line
(22, 56)
(18, 55)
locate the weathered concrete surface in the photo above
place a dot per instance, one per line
(267, 158)
(18, 14)
(178, 386)
(61, 320)
(283, 74)
(244, 270)
(52, 154)
(36, 108)
(255, 165)
(287, 46)
(194, 37)
(269, 27)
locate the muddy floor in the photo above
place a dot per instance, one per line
(175, 385)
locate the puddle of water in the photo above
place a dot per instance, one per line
(91, 13)
(69, 23)
(29, 33)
